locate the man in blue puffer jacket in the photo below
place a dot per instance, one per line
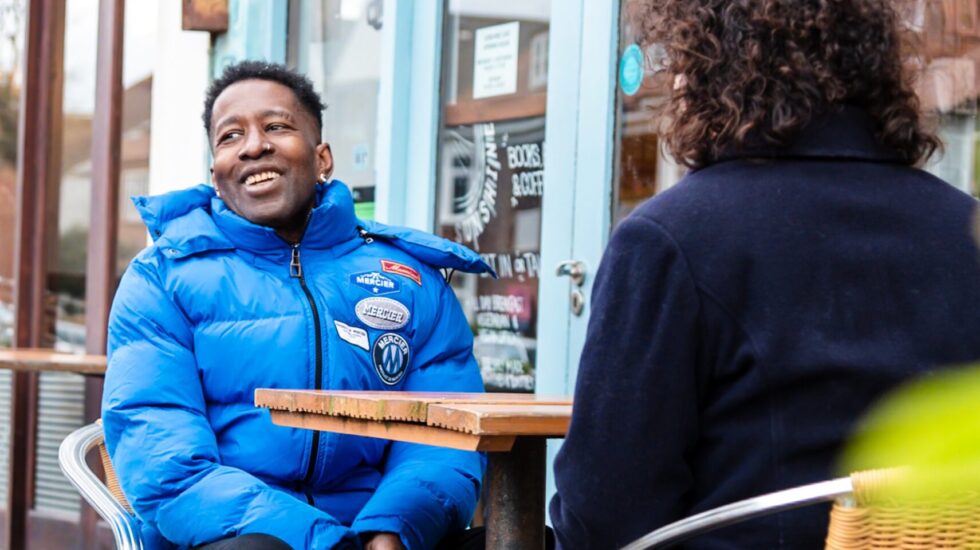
(272, 282)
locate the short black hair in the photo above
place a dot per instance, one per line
(263, 70)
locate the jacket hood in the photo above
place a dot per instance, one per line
(429, 248)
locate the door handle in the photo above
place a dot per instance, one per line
(574, 270)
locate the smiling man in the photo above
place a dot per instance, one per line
(267, 279)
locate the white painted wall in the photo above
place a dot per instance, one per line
(178, 144)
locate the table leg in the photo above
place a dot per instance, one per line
(515, 496)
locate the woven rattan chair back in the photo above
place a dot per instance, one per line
(111, 481)
(866, 516)
(871, 520)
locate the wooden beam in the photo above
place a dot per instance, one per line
(100, 276)
(47, 360)
(39, 154)
(100, 271)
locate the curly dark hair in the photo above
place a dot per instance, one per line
(754, 72)
(263, 70)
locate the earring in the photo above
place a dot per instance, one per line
(323, 177)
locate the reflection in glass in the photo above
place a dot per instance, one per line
(491, 174)
(643, 166)
(337, 44)
(139, 57)
(948, 37)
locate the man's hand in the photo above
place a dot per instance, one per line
(384, 541)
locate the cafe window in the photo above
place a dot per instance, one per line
(490, 178)
(61, 395)
(947, 38)
(337, 44)
(139, 60)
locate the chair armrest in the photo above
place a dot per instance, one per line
(742, 510)
(71, 458)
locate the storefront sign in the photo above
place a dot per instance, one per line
(498, 184)
(495, 60)
(631, 69)
(205, 15)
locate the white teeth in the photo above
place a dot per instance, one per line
(261, 177)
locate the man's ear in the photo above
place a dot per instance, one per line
(214, 183)
(324, 161)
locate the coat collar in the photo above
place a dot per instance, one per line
(194, 220)
(845, 132)
(331, 222)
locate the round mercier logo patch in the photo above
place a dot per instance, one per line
(391, 354)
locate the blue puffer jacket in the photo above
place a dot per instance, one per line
(218, 307)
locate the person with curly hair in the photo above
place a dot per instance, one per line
(744, 319)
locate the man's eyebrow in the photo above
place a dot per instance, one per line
(231, 119)
(278, 113)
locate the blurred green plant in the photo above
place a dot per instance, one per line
(8, 125)
(931, 428)
(11, 27)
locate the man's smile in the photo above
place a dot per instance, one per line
(261, 177)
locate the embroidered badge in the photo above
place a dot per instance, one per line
(382, 313)
(391, 354)
(389, 266)
(375, 283)
(352, 335)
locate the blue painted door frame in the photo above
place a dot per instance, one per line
(578, 182)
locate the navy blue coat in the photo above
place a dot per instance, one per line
(744, 319)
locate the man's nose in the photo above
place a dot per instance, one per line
(253, 146)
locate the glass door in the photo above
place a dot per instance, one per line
(524, 176)
(490, 173)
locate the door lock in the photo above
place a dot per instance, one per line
(577, 302)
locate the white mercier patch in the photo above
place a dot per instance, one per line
(352, 335)
(382, 313)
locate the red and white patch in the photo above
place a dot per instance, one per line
(389, 266)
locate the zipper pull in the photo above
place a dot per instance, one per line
(365, 235)
(295, 268)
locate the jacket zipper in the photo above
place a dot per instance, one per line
(296, 272)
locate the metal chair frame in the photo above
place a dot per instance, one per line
(716, 518)
(71, 458)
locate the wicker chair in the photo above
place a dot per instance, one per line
(106, 498)
(861, 518)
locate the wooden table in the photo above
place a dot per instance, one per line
(48, 360)
(511, 427)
